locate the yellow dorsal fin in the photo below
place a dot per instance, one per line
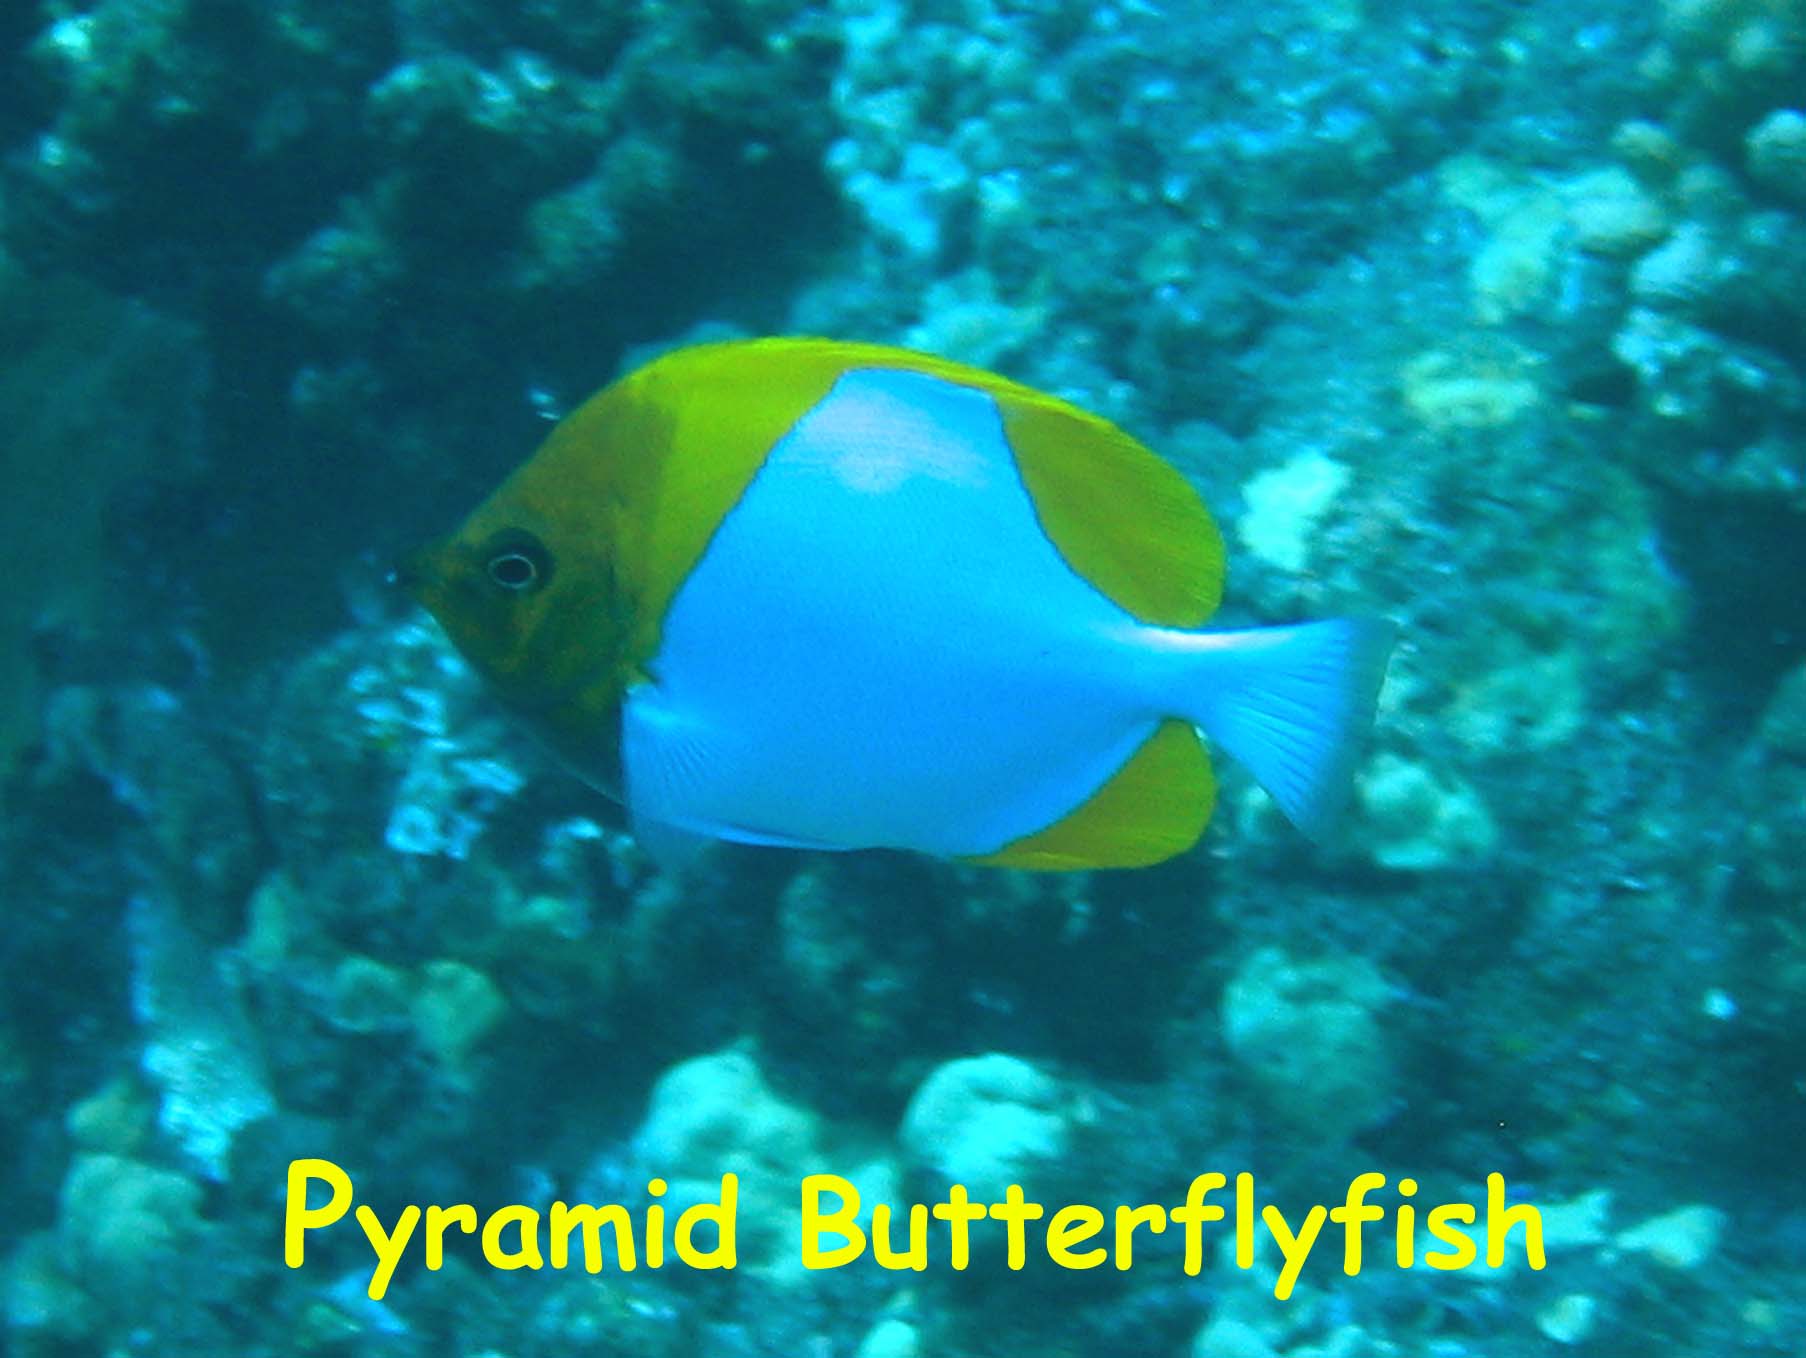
(669, 449)
(1122, 518)
(1153, 807)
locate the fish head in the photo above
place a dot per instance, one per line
(528, 597)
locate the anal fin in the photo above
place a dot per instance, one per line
(1156, 805)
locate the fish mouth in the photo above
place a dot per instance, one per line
(412, 570)
(421, 575)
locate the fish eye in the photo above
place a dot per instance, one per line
(518, 563)
(511, 570)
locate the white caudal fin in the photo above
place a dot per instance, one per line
(1293, 704)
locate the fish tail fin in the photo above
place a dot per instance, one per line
(1293, 705)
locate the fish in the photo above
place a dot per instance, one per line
(829, 595)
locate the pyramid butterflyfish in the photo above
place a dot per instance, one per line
(842, 596)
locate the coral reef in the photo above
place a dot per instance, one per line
(1487, 319)
(97, 395)
(358, 206)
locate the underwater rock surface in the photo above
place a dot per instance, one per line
(1488, 319)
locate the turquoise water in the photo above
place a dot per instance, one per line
(1483, 319)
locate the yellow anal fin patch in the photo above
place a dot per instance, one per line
(1153, 807)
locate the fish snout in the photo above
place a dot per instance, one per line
(416, 571)
(404, 572)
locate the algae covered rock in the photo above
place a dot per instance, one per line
(1308, 1038)
(1712, 340)
(113, 1120)
(1783, 726)
(454, 1007)
(715, 1115)
(122, 1218)
(201, 1050)
(988, 1122)
(1611, 214)
(41, 1298)
(95, 393)
(171, 773)
(1775, 150)
(367, 996)
(1482, 384)
(1770, 882)
(1285, 504)
(379, 757)
(890, 1338)
(1774, 835)
(1570, 1318)
(1418, 819)
(1682, 1240)
(1228, 1337)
